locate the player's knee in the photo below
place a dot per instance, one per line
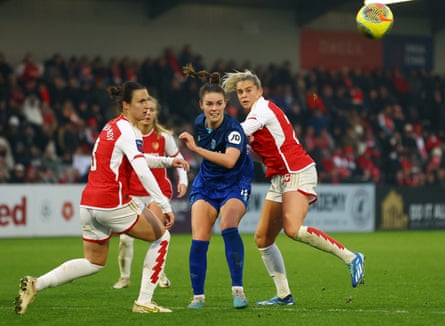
(262, 241)
(298, 234)
(164, 237)
(292, 231)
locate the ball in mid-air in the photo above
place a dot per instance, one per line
(374, 20)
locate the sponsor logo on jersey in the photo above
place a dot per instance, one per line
(235, 138)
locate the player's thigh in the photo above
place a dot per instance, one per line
(157, 211)
(298, 192)
(231, 213)
(295, 207)
(269, 224)
(148, 227)
(203, 218)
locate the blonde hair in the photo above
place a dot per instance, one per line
(230, 79)
(157, 127)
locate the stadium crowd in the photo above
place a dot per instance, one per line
(384, 126)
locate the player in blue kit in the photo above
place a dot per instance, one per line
(221, 187)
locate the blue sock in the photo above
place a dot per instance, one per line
(198, 265)
(234, 254)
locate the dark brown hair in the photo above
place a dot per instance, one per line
(211, 80)
(124, 93)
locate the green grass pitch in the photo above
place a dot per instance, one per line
(405, 284)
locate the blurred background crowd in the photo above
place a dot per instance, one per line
(383, 126)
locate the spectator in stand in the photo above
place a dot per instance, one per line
(6, 72)
(319, 120)
(5, 114)
(18, 174)
(325, 140)
(32, 111)
(4, 168)
(366, 163)
(29, 69)
(67, 142)
(146, 74)
(55, 67)
(129, 68)
(385, 120)
(6, 154)
(186, 56)
(50, 161)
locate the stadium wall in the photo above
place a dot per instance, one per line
(119, 28)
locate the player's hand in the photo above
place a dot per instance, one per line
(188, 140)
(181, 163)
(182, 190)
(169, 220)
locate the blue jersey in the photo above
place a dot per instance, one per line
(229, 134)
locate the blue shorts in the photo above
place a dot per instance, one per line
(217, 197)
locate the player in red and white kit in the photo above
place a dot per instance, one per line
(293, 180)
(106, 205)
(157, 141)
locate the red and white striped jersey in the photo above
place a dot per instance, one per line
(273, 138)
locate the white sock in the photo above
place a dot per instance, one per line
(154, 264)
(125, 257)
(237, 290)
(200, 297)
(273, 260)
(68, 271)
(320, 240)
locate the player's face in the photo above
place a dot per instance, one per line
(213, 105)
(248, 93)
(138, 107)
(150, 115)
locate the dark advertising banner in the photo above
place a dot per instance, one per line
(181, 209)
(402, 208)
(338, 49)
(408, 52)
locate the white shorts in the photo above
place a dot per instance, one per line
(146, 200)
(304, 182)
(98, 224)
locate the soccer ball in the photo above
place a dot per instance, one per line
(374, 20)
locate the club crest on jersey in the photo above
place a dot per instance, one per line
(213, 144)
(234, 138)
(139, 145)
(155, 145)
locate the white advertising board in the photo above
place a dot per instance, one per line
(339, 208)
(39, 210)
(53, 210)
